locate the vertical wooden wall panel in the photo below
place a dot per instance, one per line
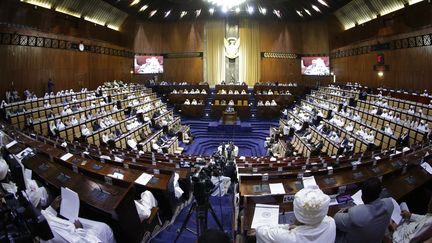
(30, 68)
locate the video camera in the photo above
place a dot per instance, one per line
(21, 222)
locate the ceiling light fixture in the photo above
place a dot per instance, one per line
(197, 13)
(277, 13)
(250, 9)
(143, 8)
(226, 3)
(182, 14)
(224, 9)
(322, 2)
(263, 11)
(167, 13)
(211, 11)
(237, 10)
(307, 11)
(316, 8)
(134, 2)
(299, 13)
(152, 13)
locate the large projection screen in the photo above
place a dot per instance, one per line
(319, 66)
(148, 64)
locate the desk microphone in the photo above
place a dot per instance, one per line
(100, 188)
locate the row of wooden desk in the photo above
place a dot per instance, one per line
(108, 196)
(397, 180)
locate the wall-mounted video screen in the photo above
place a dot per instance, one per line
(315, 65)
(148, 64)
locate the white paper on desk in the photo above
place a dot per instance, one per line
(427, 167)
(309, 182)
(265, 215)
(396, 214)
(11, 144)
(69, 207)
(357, 198)
(117, 175)
(66, 156)
(277, 188)
(143, 179)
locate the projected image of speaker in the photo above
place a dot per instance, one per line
(148, 64)
(319, 66)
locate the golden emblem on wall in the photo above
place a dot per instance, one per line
(232, 47)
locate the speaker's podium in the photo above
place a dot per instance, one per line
(229, 116)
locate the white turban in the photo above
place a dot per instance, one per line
(3, 169)
(311, 205)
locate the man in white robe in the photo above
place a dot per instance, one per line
(145, 205)
(312, 223)
(82, 230)
(414, 227)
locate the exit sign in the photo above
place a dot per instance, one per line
(380, 58)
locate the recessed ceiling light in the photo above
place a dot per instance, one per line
(224, 9)
(250, 9)
(299, 13)
(307, 11)
(237, 10)
(152, 13)
(143, 8)
(322, 2)
(167, 13)
(197, 13)
(263, 11)
(316, 8)
(182, 14)
(134, 2)
(211, 11)
(277, 13)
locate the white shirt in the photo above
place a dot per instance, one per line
(132, 143)
(324, 232)
(85, 132)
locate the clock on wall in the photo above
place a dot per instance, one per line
(81, 47)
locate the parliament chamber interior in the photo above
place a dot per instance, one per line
(216, 121)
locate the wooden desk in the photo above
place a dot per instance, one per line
(393, 180)
(229, 118)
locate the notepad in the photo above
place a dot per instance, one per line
(357, 198)
(143, 179)
(116, 175)
(277, 188)
(66, 156)
(69, 207)
(309, 182)
(265, 215)
(11, 144)
(427, 167)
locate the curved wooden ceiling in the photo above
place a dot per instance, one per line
(187, 9)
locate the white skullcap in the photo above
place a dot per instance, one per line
(3, 169)
(311, 205)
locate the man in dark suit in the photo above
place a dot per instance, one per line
(403, 139)
(365, 222)
(316, 148)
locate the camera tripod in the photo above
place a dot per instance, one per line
(201, 218)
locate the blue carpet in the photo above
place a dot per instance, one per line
(249, 136)
(224, 212)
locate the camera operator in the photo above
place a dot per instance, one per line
(220, 182)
